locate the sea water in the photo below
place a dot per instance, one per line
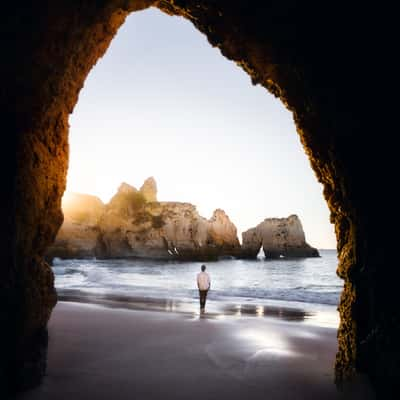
(308, 283)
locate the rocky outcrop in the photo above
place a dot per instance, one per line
(167, 230)
(251, 243)
(149, 189)
(278, 237)
(78, 235)
(135, 224)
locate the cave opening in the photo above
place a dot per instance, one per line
(308, 78)
(211, 139)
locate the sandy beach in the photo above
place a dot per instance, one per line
(98, 352)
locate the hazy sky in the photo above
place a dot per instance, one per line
(162, 102)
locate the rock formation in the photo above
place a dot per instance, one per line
(77, 237)
(135, 224)
(149, 189)
(279, 237)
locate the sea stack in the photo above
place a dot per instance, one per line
(278, 237)
(135, 224)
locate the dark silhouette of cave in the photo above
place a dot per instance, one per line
(327, 62)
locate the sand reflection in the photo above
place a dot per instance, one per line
(285, 313)
(269, 342)
(190, 308)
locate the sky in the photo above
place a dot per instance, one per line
(162, 102)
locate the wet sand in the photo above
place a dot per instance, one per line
(97, 352)
(188, 307)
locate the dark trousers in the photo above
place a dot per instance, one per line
(203, 296)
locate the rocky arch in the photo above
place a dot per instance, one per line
(312, 56)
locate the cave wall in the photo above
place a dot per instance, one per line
(315, 57)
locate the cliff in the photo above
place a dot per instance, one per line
(135, 224)
(77, 237)
(278, 237)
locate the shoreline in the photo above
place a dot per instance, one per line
(181, 259)
(313, 314)
(309, 284)
(100, 353)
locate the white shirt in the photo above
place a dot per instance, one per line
(203, 281)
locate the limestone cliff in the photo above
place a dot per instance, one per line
(278, 237)
(77, 237)
(135, 224)
(149, 189)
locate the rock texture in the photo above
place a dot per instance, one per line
(135, 224)
(149, 189)
(278, 237)
(78, 235)
(323, 62)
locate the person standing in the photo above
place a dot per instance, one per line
(203, 283)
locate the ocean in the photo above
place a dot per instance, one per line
(308, 284)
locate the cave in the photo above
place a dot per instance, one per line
(327, 65)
